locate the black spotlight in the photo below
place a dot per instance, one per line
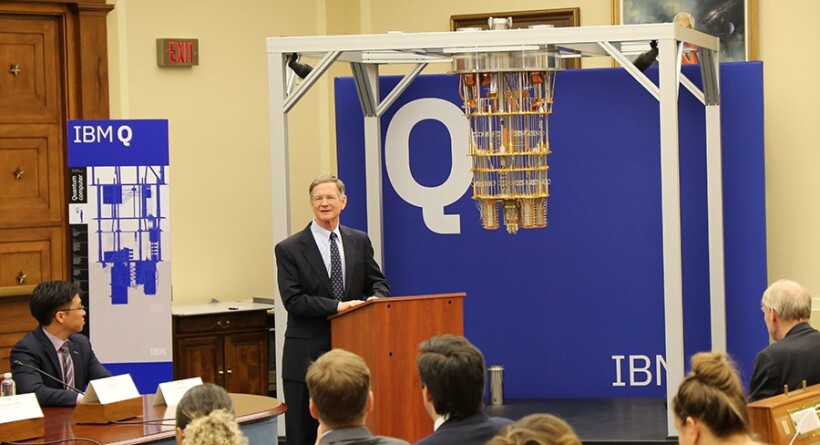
(303, 69)
(646, 59)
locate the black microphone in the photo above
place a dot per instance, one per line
(26, 365)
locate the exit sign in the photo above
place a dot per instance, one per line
(177, 52)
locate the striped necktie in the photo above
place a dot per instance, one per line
(68, 365)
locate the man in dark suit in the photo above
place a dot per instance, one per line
(56, 347)
(795, 354)
(321, 270)
(452, 388)
(340, 399)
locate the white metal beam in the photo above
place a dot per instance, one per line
(435, 42)
(671, 228)
(373, 170)
(714, 196)
(311, 79)
(631, 69)
(367, 99)
(280, 189)
(399, 88)
(423, 48)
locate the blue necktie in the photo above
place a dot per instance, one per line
(336, 280)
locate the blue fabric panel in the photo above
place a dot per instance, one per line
(147, 376)
(576, 310)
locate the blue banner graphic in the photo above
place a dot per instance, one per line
(576, 309)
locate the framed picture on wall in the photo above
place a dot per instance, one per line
(558, 18)
(733, 21)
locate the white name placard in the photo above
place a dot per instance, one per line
(111, 389)
(19, 407)
(169, 393)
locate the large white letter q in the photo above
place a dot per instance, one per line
(432, 200)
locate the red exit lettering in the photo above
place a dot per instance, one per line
(180, 51)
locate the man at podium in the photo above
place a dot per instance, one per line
(321, 270)
(795, 354)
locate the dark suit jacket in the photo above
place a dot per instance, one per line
(787, 362)
(476, 429)
(359, 436)
(306, 293)
(36, 349)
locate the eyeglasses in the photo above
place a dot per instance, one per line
(79, 308)
(328, 198)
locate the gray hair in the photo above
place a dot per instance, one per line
(789, 299)
(327, 179)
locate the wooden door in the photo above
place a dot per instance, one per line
(53, 67)
(200, 356)
(246, 362)
(31, 122)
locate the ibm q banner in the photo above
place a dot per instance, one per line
(120, 232)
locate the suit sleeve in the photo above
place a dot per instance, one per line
(765, 378)
(292, 287)
(375, 284)
(30, 381)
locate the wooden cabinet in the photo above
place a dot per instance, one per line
(30, 255)
(225, 344)
(31, 186)
(53, 67)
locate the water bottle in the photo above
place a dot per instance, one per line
(8, 387)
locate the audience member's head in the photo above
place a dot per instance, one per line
(452, 376)
(50, 297)
(339, 386)
(537, 429)
(710, 403)
(785, 303)
(205, 416)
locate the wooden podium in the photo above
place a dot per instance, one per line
(772, 419)
(387, 333)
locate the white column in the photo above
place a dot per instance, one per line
(670, 210)
(280, 194)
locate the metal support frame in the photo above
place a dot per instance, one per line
(366, 52)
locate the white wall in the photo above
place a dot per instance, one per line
(222, 246)
(220, 168)
(792, 96)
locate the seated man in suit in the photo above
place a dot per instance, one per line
(452, 388)
(55, 347)
(340, 399)
(795, 354)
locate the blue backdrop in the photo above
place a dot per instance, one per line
(576, 309)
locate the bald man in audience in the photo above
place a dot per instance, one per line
(795, 354)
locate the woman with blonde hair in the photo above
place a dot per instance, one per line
(205, 416)
(710, 406)
(537, 429)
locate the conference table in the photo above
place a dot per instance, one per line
(257, 416)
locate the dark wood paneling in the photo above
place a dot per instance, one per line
(60, 47)
(31, 175)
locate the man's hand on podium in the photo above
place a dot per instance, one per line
(348, 304)
(374, 297)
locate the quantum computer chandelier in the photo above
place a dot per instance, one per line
(507, 96)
